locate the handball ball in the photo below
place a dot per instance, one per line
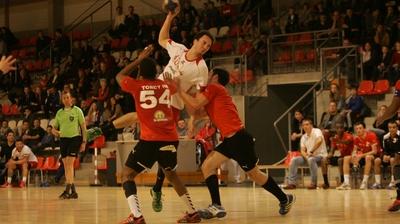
(170, 5)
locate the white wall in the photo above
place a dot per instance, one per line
(31, 16)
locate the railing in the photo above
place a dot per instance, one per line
(298, 52)
(350, 52)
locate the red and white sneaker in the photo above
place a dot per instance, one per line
(190, 218)
(22, 184)
(395, 206)
(5, 185)
(132, 220)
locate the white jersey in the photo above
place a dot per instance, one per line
(191, 73)
(25, 152)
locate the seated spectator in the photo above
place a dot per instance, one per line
(61, 45)
(103, 92)
(116, 110)
(182, 128)
(366, 147)
(227, 13)
(382, 129)
(35, 134)
(40, 97)
(354, 105)
(395, 64)
(104, 45)
(328, 121)
(296, 131)
(4, 129)
(24, 129)
(342, 145)
(313, 153)
(305, 17)
(48, 140)
(93, 116)
(337, 22)
(270, 28)
(383, 60)
(27, 99)
(56, 79)
(381, 36)
(352, 26)
(21, 158)
(322, 23)
(5, 153)
(52, 101)
(335, 95)
(28, 116)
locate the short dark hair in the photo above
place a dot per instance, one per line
(18, 139)
(309, 120)
(202, 33)
(393, 122)
(9, 131)
(148, 68)
(299, 111)
(359, 123)
(223, 76)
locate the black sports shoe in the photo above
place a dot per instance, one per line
(285, 207)
(73, 195)
(64, 195)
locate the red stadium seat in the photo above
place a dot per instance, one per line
(14, 110)
(397, 86)
(124, 42)
(244, 47)
(310, 56)
(37, 65)
(29, 65)
(54, 164)
(115, 43)
(227, 46)
(299, 56)
(216, 47)
(32, 41)
(284, 57)
(234, 31)
(381, 86)
(23, 53)
(85, 35)
(5, 109)
(46, 64)
(366, 88)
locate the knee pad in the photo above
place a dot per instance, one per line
(129, 188)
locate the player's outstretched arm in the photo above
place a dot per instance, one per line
(163, 37)
(125, 121)
(196, 102)
(7, 64)
(133, 65)
(390, 111)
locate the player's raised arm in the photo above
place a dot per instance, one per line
(133, 65)
(163, 37)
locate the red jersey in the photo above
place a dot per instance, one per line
(221, 110)
(345, 149)
(152, 101)
(364, 143)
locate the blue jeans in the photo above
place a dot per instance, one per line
(313, 162)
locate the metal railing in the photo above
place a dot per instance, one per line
(298, 52)
(328, 71)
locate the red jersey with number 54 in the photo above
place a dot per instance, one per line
(152, 101)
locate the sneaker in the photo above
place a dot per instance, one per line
(391, 186)
(73, 195)
(64, 195)
(312, 187)
(190, 218)
(132, 220)
(212, 211)
(376, 186)
(325, 186)
(344, 187)
(22, 184)
(285, 207)
(5, 185)
(157, 203)
(395, 206)
(363, 186)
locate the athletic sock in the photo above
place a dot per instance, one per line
(378, 179)
(346, 179)
(392, 179)
(24, 179)
(326, 181)
(134, 205)
(341, 178)
(73, 188)
(188, 201)
(213, 188)
(274, 189)
(159, 181)
(9, 180)
(365, 179)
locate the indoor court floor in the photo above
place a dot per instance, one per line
(243, 204)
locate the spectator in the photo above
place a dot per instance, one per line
(381, 36)
(39, 99)
(212, 15)
(7, 146)
(28, 99)
(372, 21)
(342, 145)
(296, 131)
(366, 146)
(354, 105)
(48, 140)
(21, 157)
(132, 21)
(42, 42)
(322, 23)
(352, 26)
(305, 17)
(270, 28)
(207, 137)
(394, 68)
(182, 128)
(313, 152)
(28, 116)
(369, 61)
(25, 78)
(24, 129)
(103, 92)
(328, 121)
(382, 129)
(35, 134)
(43, 81)
(116, 110)
(61, 45)
(384, 60)
(292, 23)
(395, 33)
(52, 101)
(87, 54)
(4, 129)
(335, 95)
(103, 46)
(337, 22)
(93, 116)
(389, 19)
(56, 80)
(227, 12)
(188, 8)
(119, 23)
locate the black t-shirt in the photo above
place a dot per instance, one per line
(6, 150)
(391, 145)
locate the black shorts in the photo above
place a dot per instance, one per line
(146, 153)
(70, 146)
(240, 147)
(334, 161)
